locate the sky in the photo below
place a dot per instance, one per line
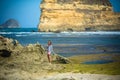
(116, 5)
(27, 12)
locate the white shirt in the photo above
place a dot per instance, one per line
(50, 48)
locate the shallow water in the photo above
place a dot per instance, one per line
(26, 38)
(68, 43)
(98, 62)
(71, 50)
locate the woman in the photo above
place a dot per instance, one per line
(49, 50)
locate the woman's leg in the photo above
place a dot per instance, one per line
(49, 58)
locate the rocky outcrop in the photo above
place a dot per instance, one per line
(30, 59)
(11, 23)
(35, 51)
(78, 15)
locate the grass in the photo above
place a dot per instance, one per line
(110, 68)
(77, 67)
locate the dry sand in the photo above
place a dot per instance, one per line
(78, 76)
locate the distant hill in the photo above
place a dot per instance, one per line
(11, 23)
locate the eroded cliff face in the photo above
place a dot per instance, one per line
(78, 15)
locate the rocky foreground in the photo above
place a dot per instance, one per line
(78, 15)
(18, 62)
(30, 62)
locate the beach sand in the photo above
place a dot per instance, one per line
(79, 76)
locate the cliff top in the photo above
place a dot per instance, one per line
(88, 2)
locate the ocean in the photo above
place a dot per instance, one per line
(68, 43)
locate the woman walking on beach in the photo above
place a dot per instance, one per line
(49, 51)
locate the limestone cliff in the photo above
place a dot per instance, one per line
(78, 15)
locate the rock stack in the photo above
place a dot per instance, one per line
(78, 15)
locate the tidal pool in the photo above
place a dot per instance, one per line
(98, 62)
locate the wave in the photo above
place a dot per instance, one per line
(92, 33)
(27, 33)
(61, 34)
(21, 35)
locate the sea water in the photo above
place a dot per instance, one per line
(73, 43)
(98, 62)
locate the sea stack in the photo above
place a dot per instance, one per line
(78, 15)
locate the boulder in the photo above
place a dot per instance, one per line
(5, 53)
(60, 59)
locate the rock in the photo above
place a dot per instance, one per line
(61, 59)
(68, 79)
(5, 53)
(78, 15)
(31, 52)
(58, 31)
(11, 23)
(9, 44)
(30, 59)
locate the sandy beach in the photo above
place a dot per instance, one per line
(79, 76)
